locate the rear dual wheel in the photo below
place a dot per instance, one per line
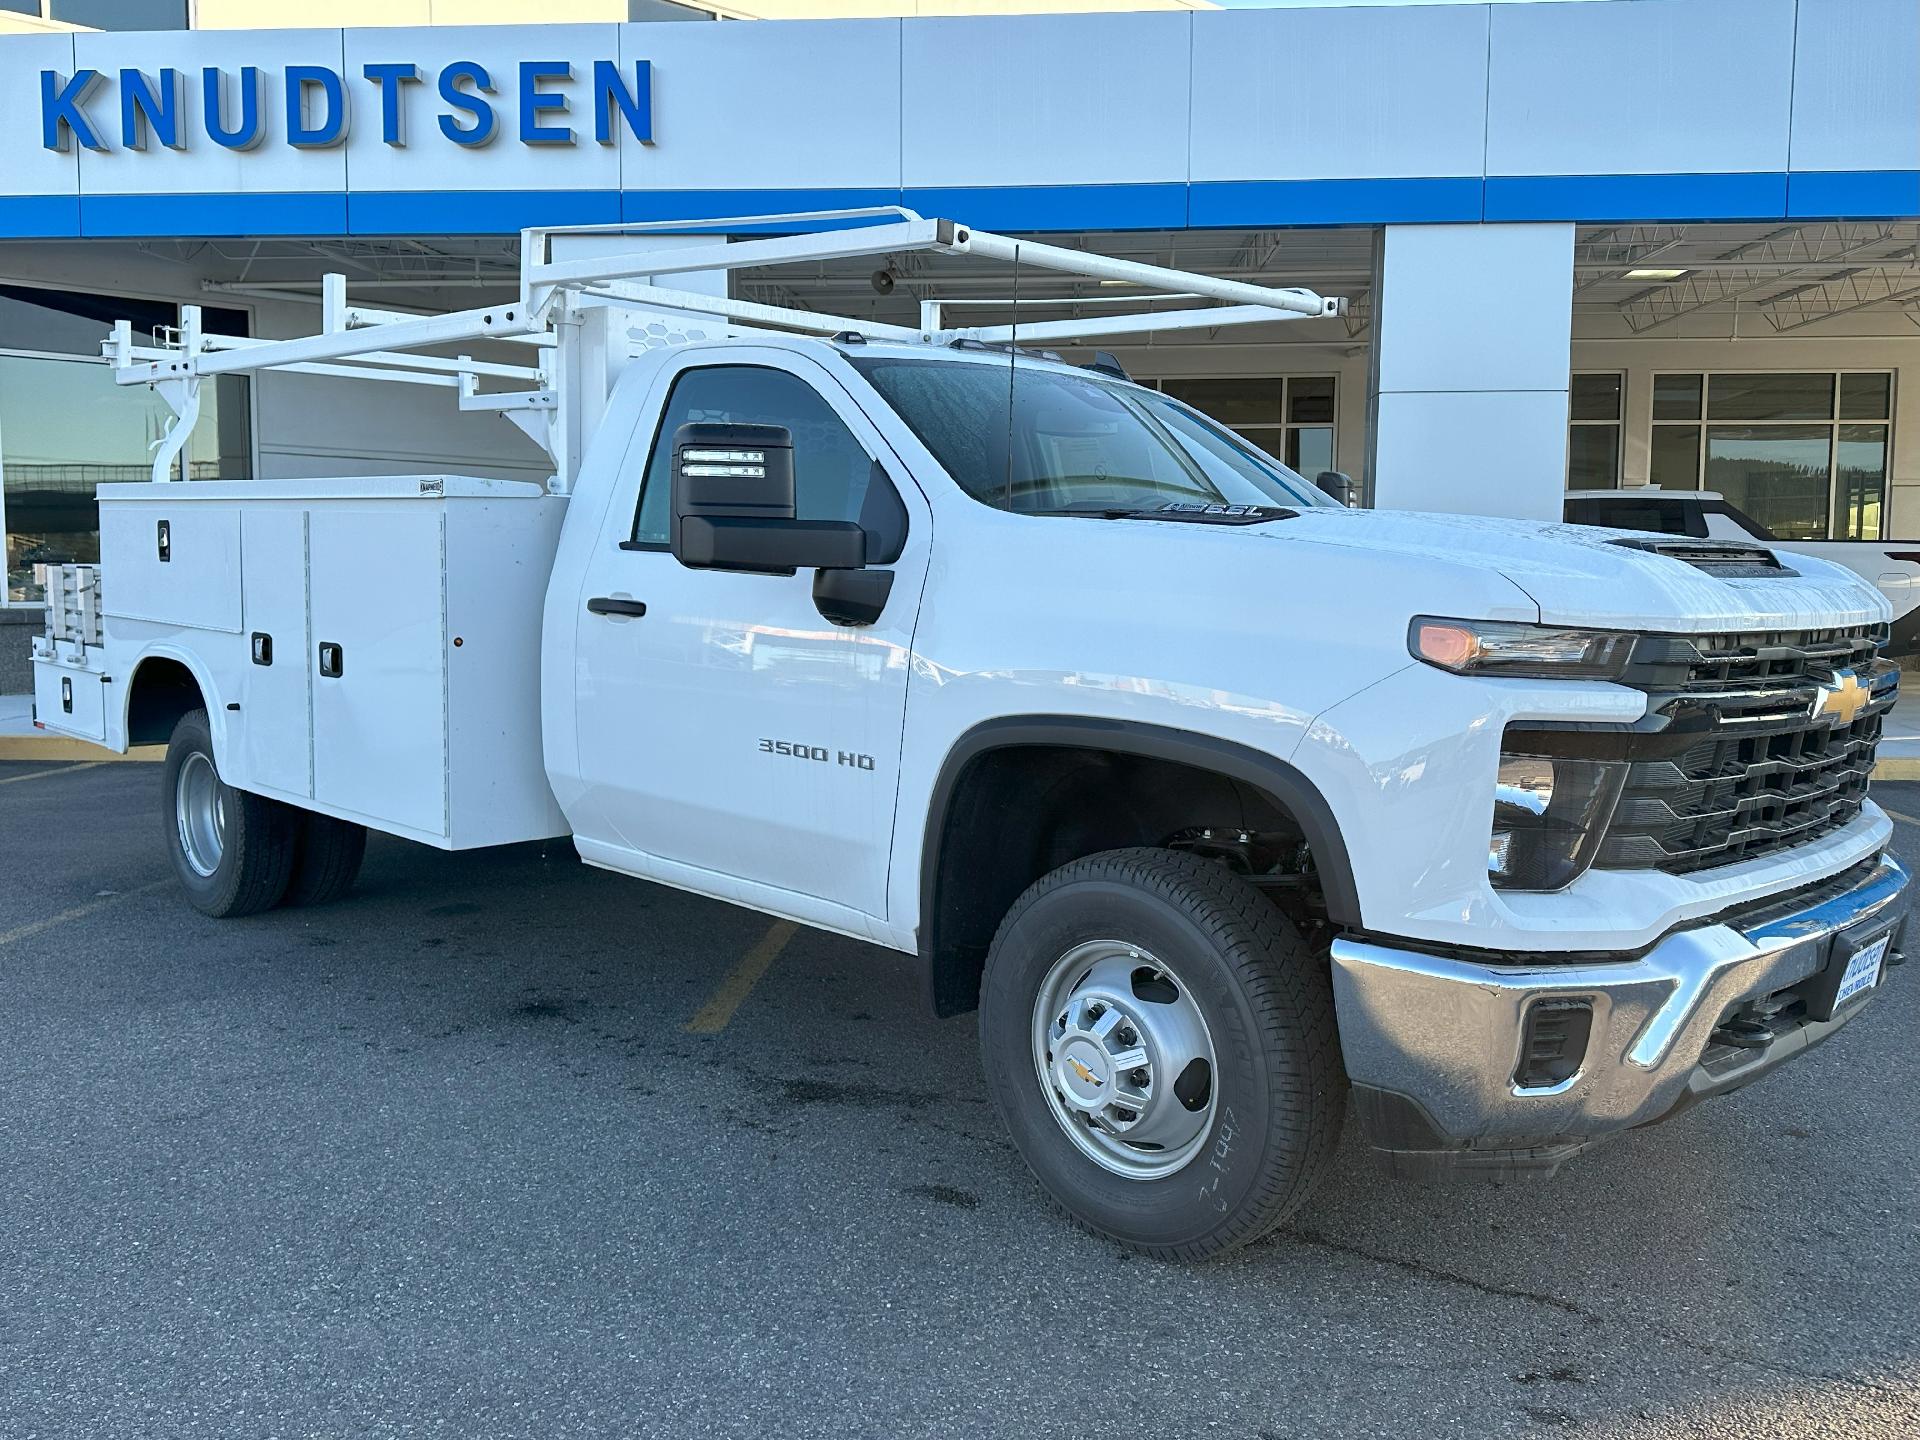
(1160, 1042)
(237, 853)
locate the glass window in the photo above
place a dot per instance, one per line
(1778, 474)
(65, 428)
(1677, 397)
(1309, 400)
(1675, 457)
(1770, 397)
(1255, 400)
(1077, 443)
(831, 469)
(122, 14)
(1663, 517)
(1866, 397)
(1593, 457)
(1593, 430)
(1309, 448)
(1794, 465)
(1286, 415)
(1594, 397)
(1861, 472)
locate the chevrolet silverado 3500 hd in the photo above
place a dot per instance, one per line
(1228, 807)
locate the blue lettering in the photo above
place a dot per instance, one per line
(333, 128)
(62, 120)
(533, 102)
(391, 78)
(145, 110)
(636, 106)
(213, 97)
(481, 131)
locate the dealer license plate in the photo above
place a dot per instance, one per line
(1863, 971)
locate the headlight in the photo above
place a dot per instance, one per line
(1548, 817)
(1496, 647)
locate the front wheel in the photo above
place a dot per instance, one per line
(232, 851)
(1160, 1041)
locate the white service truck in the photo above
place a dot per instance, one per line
(1230, 808)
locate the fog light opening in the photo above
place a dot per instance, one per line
(1553, 1043)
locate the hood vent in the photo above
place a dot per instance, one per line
(1728, 559)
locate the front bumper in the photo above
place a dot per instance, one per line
(1444, 1050)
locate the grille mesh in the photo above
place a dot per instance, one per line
(1764, 775)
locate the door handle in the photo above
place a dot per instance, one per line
(614, 605)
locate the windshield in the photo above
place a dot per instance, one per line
(1079, 444)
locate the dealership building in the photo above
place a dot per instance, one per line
(1591, 243)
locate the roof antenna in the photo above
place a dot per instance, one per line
(1013, 355)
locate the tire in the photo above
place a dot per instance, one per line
(326, 859)
(1228, 1169)
(232, 851)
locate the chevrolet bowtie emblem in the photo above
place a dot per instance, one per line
(1083, 1072)
(1843, 700)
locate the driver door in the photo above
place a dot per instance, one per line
(736, 740)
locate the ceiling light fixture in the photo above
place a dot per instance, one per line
(1656, 274)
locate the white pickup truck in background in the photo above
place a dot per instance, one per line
(1230, 809)
(1890, 566)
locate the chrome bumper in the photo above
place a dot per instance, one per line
(1433, 1043)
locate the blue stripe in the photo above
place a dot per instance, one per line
(1862, 194)
(1057, 207)
(1422, 200)
(1746, 196)
(39, 217)
(475, 212)
(1853, 194)
(221, 214)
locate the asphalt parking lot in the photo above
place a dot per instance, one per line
(445, 1159)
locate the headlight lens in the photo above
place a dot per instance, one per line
(1497, 647)
(1548, 818)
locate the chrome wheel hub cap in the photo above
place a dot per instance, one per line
(1125, 1059)
(200, 808)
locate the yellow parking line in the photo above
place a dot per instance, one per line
(738, 982)
(42, 774)
(34, 927)
(1903, 819)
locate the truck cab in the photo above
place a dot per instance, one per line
(1228, 808)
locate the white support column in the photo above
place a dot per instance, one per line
(1469, 399)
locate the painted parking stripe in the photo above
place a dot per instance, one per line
(58, 770)
(78, 912)
(1903, 819)
(738, 982)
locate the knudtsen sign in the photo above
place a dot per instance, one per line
(317, 103)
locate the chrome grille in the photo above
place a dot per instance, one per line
(1763, 774)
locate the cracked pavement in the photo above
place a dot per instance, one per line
(440, 1160)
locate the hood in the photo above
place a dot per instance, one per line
(1582, 575)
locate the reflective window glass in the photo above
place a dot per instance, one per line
(1593, 457)
(65, 428)
(1866, 397)
(1250, 400)
(1676, 397)
(1860, 471)
(1770, 397)
(1594, 397)
(1778, 474)
(1674, 458)
(1310, 400)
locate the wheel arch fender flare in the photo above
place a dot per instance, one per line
(1284, 783)
(202, 678)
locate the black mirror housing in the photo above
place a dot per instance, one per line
(1337, 484)
(765, 546)
(731, 471)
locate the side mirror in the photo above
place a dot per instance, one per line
(733, 506)
(1340, 486)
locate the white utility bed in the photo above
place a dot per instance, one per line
(376, 639)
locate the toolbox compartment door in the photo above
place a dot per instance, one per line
(275, 733)
(376, 656)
